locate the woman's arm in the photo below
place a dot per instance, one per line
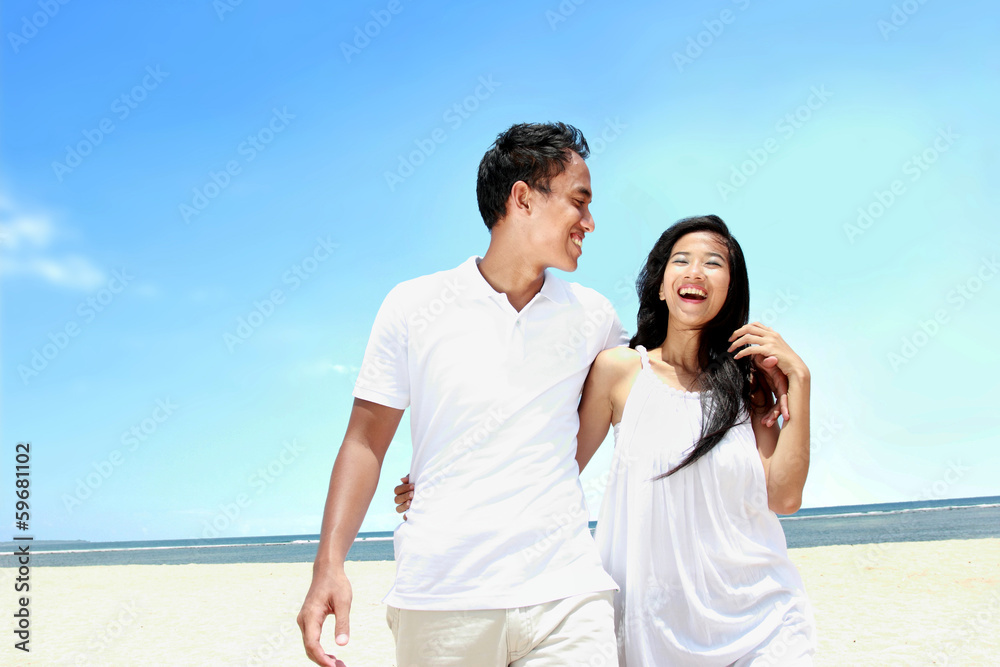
(604, 394)
(595, 410)
(784, 452)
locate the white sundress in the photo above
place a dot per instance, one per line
(700, 559)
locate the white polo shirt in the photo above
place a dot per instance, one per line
(498, 519)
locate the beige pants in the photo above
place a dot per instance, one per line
(574, 631)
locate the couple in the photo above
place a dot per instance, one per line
(495, 564)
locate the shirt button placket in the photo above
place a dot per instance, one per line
(517, 341)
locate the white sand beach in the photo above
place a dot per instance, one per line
(889, 604)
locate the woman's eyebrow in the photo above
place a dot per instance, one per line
(687, 252)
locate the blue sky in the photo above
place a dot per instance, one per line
(168, 171)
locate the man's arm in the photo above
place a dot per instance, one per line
(352, 485)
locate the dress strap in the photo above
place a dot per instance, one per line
(643, 355)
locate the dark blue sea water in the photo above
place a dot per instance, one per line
(965, 518)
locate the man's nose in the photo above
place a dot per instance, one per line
(588, 223)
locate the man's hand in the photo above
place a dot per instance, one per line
(404, 494)
(777, 382)
(352, 485)
(330, 593)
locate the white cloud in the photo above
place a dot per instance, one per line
(324, 367)
(146, 290)
(25, 249)
(209, 294)
(70, 271)
(28, 230)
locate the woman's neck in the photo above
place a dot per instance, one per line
(680, 348)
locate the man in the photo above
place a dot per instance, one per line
(495, 564)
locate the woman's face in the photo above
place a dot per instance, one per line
(696, 279)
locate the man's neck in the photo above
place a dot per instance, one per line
(511, 275)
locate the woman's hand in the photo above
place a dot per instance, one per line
(404, 494)
(771, 354)
(765, 341)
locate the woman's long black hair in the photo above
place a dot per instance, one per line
(725, 383)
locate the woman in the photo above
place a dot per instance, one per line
(688, 527)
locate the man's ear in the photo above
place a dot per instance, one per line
(520, 196)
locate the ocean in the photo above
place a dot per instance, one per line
(952, 519)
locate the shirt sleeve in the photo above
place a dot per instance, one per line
(617, 336)
(385, 377)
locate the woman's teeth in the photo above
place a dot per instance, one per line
(693, 292)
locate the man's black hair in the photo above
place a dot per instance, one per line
(530, 152)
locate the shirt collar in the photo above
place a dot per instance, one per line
(553, 288)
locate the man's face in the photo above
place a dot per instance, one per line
(559, 220)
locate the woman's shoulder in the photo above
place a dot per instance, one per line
(616, 362)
